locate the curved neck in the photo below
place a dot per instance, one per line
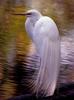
(34, 19)
(30, 23)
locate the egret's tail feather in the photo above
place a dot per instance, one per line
(48, 71)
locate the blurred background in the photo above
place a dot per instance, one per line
(16, 46)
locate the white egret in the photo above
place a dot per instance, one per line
(45, 36)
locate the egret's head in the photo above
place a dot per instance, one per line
(32, 13)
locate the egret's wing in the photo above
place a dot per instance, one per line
(46, 39)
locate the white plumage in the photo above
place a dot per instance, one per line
(45, 36)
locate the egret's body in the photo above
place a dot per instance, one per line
(44, 34)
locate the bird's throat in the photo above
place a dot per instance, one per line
(33, 20)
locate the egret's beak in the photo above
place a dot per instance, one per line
(22, 14)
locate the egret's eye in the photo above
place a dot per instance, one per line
(28, 13)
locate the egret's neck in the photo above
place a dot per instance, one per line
(30, 23)
(34, 19)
